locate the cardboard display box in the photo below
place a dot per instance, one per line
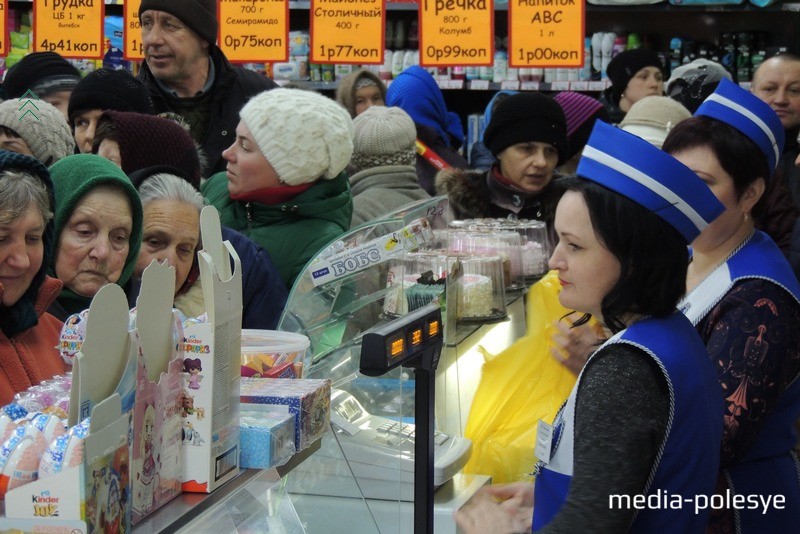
(212, 353)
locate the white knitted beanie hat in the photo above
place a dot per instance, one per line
(304, 135)
(383, 136)
(44, 129)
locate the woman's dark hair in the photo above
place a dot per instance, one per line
(738, 155)
(652, 254)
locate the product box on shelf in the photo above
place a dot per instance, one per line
(308, 400)
(267, 436)
(212, 361)
(156, 451)
(93, 495)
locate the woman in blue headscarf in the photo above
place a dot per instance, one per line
(440, 133)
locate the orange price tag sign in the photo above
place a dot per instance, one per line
(254, 30)
(456, 32)
(546, 34)
(3, 28)
(132, 31)
(72, 28)
(347, 31)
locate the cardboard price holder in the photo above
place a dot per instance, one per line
(456, 33)
(132, 31)
(348, 32)
(72, 28)
(3, 28)
(254, 30)
(546, 36)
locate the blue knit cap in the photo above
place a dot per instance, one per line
(416, 92)
(638, 170)
(750, 115)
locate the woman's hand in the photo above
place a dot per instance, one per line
(499, 509)
(574, 344)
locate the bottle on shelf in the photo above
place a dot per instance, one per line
(607, 53)
(413, 34)
(743, 64)
(586, 72)
(728, 45)
(500, 67)
(408, 59)
(397, 63)
(399, 35)
(385, 72)
(597, 52)
(675, 46)
(620, 44)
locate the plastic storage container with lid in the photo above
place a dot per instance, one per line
(274, 354)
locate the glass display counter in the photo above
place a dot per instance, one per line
(359, 478)
(335, 310)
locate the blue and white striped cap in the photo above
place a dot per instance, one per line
(750, 115)
(638, 170)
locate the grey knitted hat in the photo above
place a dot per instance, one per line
(44, 129)
(383, 136)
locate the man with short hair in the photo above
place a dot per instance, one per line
(777, 82)
(186, 73)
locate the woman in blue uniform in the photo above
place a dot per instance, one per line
(744, 300)
(636, 443)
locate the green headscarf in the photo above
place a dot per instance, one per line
(74, 177)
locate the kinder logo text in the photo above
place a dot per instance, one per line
(195, 346)
(44, 505)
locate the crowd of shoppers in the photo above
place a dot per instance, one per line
(699, 371)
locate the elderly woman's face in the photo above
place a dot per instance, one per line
(21, 253)
(171, 232)
(95, 241)
(247, 170)
(366, 97)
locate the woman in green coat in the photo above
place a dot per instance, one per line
(285, 185)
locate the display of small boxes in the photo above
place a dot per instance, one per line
(308, 400)
(266, 437)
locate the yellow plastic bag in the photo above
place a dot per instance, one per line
(518, 387)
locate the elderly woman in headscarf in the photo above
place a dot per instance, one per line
(28, 334)
(440, 132)
(98, 229)
(360, 91)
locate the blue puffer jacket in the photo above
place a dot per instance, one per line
(263, 292)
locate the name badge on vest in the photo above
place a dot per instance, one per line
(544, 437)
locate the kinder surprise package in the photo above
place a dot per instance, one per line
(209, 403)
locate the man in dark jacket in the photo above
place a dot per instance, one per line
(777, 82)
(186, 72)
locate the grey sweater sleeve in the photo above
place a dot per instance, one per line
(621, 416)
